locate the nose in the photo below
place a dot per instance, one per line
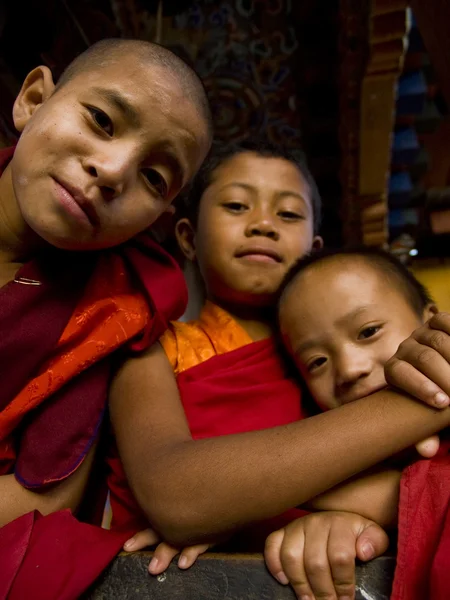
(261, 223)
(110, 171)
(352, 365)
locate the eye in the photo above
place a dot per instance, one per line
(316, 363)
(289, 215)
(102, 120)
(369, 332)
(235, 207)
(156, 180)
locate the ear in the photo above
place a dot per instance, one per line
(317, 243)
(429, 311)
(36, 89)
(185, 235)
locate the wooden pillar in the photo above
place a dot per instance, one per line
(372, 48)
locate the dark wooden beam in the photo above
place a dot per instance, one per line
(221, 577)
(433, 18)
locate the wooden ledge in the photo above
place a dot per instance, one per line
(221, 576)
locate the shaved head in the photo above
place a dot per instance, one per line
(107, 50)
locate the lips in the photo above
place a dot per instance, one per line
(259, 254)
(76, 203)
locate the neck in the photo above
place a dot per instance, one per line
(257, 321)
(18, 242)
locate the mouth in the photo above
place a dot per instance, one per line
(76, 204)
(259, 254)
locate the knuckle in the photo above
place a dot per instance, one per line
(291, 555)
(440, 319)
(394, 369)
(342, 557)
(317, 566)
(344, 588)
(404, 346)
(425, 356)
(437, 340)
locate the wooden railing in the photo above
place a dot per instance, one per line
(221, 577)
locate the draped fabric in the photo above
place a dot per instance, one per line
(61, 320)
(228, 384)
(423, 557)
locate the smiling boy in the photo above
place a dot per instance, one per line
(100, 156)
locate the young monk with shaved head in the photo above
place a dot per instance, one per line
(101, 156)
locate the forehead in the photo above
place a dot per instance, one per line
(324, 294)
(262, 172)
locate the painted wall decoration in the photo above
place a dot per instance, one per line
(244, 51)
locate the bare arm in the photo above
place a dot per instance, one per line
(373, 495)
(194, 490)
(16, 500)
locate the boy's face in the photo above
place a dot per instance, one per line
(102, 157)
(341, 321)
(255, 221)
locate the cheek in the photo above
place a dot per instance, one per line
(299, 243)
(322, 392)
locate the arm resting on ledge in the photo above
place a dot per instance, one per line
(193, 490)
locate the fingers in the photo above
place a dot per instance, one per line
(292, 553)
(372, 542)
(416, 375)
(162, 558)
(330, 563)
(421, 365)
(429, 447)
(341, 556)
(190, 554)
(272, 555)
(141, 540)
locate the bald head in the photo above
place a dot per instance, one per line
(149, 53)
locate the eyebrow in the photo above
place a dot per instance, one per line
(307, 345)
(342, 321)
(119, 101)
(251, 188)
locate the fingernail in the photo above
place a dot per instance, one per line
(153, 566)
(129, 544)
(441, 399)
(368, 551)
(281, 577)
(305, 598)
(182, 562)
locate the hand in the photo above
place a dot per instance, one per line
(164, 553)
(316, 554)
(421, 365)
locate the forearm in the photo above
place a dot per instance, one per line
(194, 490)
(16, 500)
(374, 495)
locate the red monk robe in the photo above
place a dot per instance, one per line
(228, 384)
(61, 319)
(423, 556)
